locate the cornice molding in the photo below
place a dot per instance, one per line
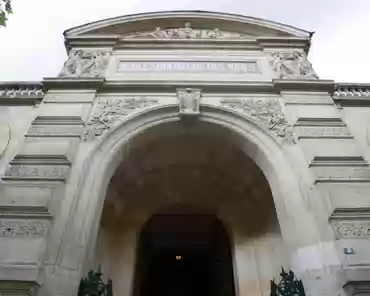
(304, 85)
(170, 86)
(72, 83)
(350, 214)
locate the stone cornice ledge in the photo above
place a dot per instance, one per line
(25, 212)
(350, 214)
(209, 86)
(72, 83)
(17, 287)
(284, 42)
(95, 41)
(358, 287)
(304, 85)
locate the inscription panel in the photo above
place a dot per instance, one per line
(184, 66)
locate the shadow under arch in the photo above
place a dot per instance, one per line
(255, 141)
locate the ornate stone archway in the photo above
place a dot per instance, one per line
(298, 226)
(246, 79)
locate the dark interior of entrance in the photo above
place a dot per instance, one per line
(184, 255)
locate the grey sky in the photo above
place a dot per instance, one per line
(32, 44)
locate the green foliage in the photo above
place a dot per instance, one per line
(5, 10)
(288, 285)
(93, 285)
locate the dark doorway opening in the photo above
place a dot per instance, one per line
(184, 255)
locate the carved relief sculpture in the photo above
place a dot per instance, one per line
(109, 111)
(85, 64)
(22, 228)
(189, 100)
(187, 32)
(352, 229)
(265, 111)
(292, 65)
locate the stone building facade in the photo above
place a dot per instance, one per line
(186, 114)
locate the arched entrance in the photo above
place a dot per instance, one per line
(169, 167)
(109, 237)
(184, 253)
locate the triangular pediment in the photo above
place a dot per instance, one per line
(187, 25)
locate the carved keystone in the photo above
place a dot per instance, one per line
(189, 100)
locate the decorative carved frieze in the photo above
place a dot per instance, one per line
(189, 67)
(292, 65)
(109, 111)
(37, 172)
(187, 32)
(265, 111)
(351, 229)
(85, 64)
(22, 228)
(189, 100)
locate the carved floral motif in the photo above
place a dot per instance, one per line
(352, 229)
(21, 228)
(292, 65)
(109, 111)
(85, 64)
(187, 32)
(37, 172)
(189, 100)
(265, 111)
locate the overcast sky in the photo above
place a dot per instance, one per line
(31, 46)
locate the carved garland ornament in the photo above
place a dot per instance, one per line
(85, 64)
(292, 65)
(21, 228)
(110, 111)
(187, 32)
(352, 229)
(265, 111)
